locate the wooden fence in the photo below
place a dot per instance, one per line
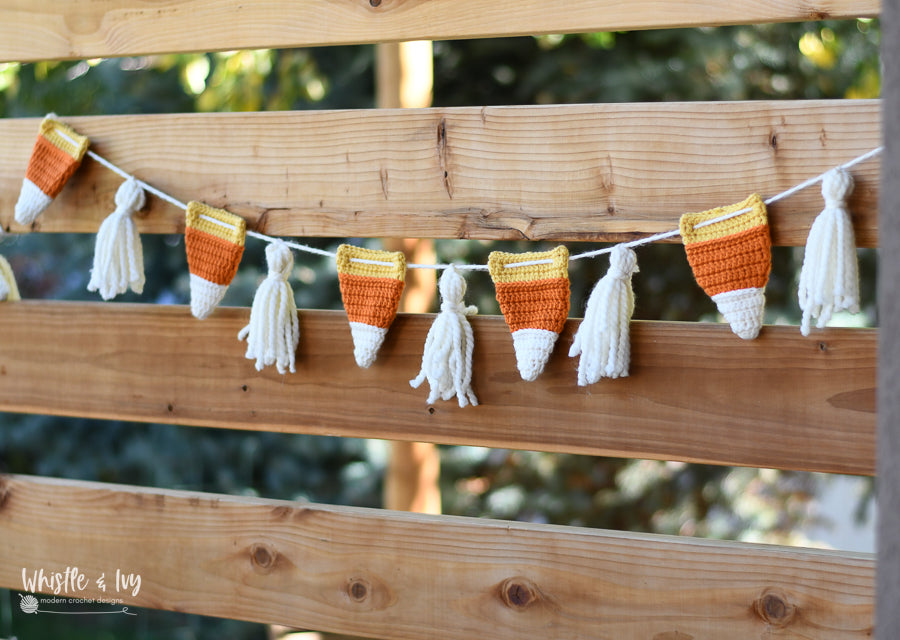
(566, 173)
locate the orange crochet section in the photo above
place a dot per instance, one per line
(50, 167)
(737, 261)
(370, 300)
(211, 257)
(534, 304)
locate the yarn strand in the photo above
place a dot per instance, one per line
(118, 256)
(447, 359)
(602, 339)
(274, 329)
(480, 267)
(829, 278)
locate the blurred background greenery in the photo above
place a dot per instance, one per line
(832, 59)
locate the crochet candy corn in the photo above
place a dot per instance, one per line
(731, 260)
(214, 241)
(534, 299)
(371, 282)
(55, 157)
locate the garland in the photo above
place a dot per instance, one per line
(728, 248)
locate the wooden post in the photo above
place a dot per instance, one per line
(404, 80)
(887, 612)
(404, 74)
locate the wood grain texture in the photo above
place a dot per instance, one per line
(696, 392)
(56, 29)
(588, 172)
(411, 576)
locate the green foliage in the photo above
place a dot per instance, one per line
(722, 63)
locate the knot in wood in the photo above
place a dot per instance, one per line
(375, 3)
(518, 593)
(262, 557)
(358, 589)
(774, 607)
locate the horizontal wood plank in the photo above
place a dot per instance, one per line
(58, 29)
(408, 576)
(586, 172)
(696, 392)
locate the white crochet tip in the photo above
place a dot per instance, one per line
(367, 341)
(205, 296)
(32, 202)
(743, 310)
(533, 348)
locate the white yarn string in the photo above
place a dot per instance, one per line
(780, 196)
(628, 245)
(821, 177)
(147, 187)
(829, 278)
(332, 254)
(118, 256)
(447, 358)
(476, 267)
(602, 339)
(274, 330)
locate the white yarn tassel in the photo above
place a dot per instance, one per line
(118, 257)
(274, 329)
(9, 290)
(447, 360)
(602, 338)
(829, 278)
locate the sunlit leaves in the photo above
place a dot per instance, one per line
(821, 50)
(9, 73)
